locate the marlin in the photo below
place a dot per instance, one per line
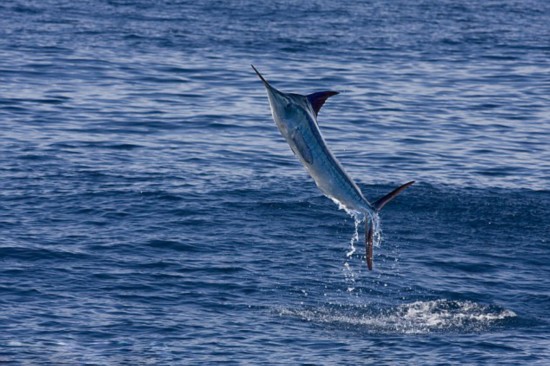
(296, 117)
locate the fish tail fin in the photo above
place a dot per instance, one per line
(369, 230)
(381, 202)
(368, 243)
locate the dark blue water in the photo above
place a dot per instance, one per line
(151, 213)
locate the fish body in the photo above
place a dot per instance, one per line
(296, 117)
(297, 122)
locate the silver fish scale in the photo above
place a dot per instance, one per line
(328, 173)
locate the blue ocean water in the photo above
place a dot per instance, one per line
(151, 213)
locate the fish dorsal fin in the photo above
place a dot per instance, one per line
(318, 99)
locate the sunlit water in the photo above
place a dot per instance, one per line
(150, 212)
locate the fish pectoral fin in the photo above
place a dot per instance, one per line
(303, 149)
(318, 99)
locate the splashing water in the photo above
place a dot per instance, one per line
(420, 317)
(354, 238)
(349, 273)
(377, 230)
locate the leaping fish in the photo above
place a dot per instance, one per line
(296, 117)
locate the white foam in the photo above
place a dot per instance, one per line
(415, 318)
